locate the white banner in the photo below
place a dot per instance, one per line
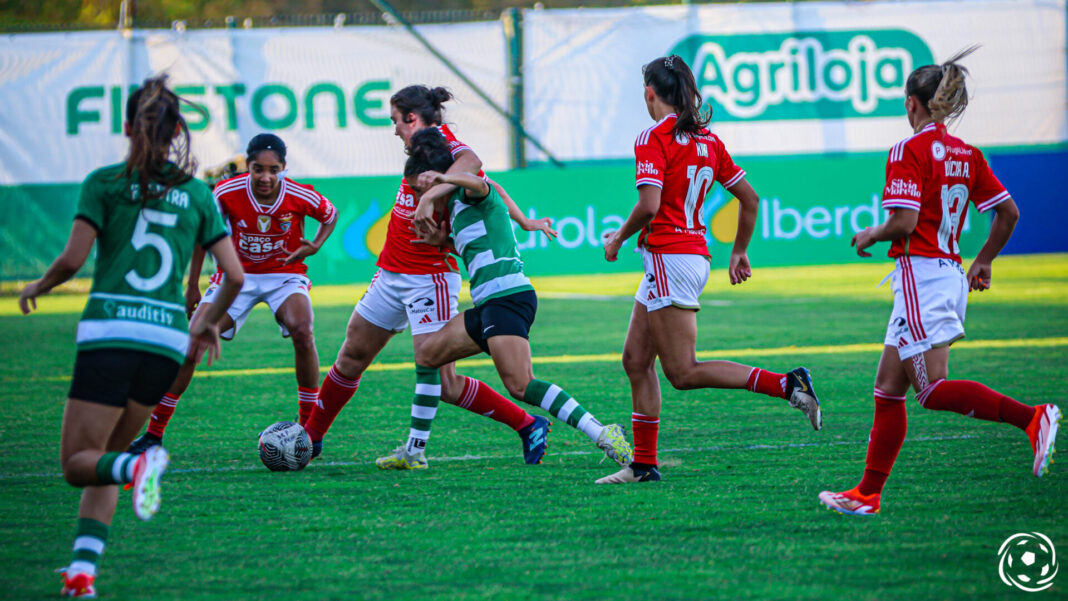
(797, 77)
(325, 91)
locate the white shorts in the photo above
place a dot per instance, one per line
(270, 288)
(672, 280)
(394, 301)
(930, 299)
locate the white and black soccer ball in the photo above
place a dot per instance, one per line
(285, 447)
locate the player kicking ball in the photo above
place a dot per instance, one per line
(505, 303)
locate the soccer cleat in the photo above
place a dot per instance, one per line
(146, 481)
(613, 441)
(1042, 431)
(79, 586)
(399, 459)
(317, 449)
(144, 442)
(851, 502)
(535, 439)
(631, 474)
(802, 396)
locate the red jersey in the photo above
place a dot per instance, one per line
(264, 236)
(937, 174)
(399, 254)
(684, 168)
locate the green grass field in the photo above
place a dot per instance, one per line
(736, 516)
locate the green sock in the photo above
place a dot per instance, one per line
(115, 468)
(89, 543)
(424, 407)
(559, 404)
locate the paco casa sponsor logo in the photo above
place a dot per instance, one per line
(804, 75)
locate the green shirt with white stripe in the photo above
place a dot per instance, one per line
(482, 233)
(142, 253)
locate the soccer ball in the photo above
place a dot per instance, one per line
(285, 447)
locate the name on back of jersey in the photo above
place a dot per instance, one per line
(956, 169)
(174, 196)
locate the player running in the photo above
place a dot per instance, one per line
(678, 161)
(145, 214)
(505, 303)
(418, 285)
(265, 212)
(930, 179)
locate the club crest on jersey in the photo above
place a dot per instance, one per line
(938, 150)
(263, 222)
(285, 221)
(682, 139)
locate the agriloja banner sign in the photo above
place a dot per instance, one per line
(798, 77)
(325, 91)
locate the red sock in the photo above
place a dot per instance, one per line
(333, 394)
(479, 398)
(161, 415)
(307, 399)
(975, 400)
(766, 382)
(645, 429)
(887, 436)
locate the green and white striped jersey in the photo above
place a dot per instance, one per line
(482, 232)
(136, 301)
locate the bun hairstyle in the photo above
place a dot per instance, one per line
(422, 101)
(427, 151)
(674, 83)
(159, 140)
(263, 142)
(940, 88)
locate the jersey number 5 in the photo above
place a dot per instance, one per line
(954, 203)
(142, 238)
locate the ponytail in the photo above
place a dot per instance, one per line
(941, 88)
(422, 101)
(674, 83)
(159, 136)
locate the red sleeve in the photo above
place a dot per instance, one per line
(325, 212)
(650, 162)
(904, 185)
(727, 173)
(455, 146)
(987, 191)
(220, 202)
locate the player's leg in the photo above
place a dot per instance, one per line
(639, 363)
(295, 315)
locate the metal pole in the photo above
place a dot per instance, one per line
(386, 7)
(513, 32)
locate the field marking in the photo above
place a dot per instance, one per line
(831, 349)
(463, 458)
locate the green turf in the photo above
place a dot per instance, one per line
(736, 516)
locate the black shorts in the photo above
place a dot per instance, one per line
(510, 315)
(113, 376)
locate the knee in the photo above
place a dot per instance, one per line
(452, 386)
(428, 356)
(636, 365)
(680, 377)
(516, 386)
(303, 336)
(72, 474)
(352, 361)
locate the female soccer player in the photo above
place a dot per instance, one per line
(145, 214)
(265, 212)
(678, 161)
(931, 177)
(418, 285)
(505, 302)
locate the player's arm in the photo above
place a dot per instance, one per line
(66, 265)
(204, 331)
(1006, 214)
(466, 161)
(900, 224)
(192, 287)
(739, 269)
(640, 216)
(544, 225)
(310, 247)
(473, 185)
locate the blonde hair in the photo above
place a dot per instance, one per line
(941, 88)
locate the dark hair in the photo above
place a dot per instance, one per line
(153, 114)
(940, 88)
(427, 151)
(263, 142)
(422, 101)
(674, 83)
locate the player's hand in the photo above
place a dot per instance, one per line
(192, 299)
(428, 179)
(544, 225)
(424, 211)
(979, 276)
(611, 245)
(432, 235)
(739, 269)
(204, 338)
(307, 249)
(28, 297)
(863, 239)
